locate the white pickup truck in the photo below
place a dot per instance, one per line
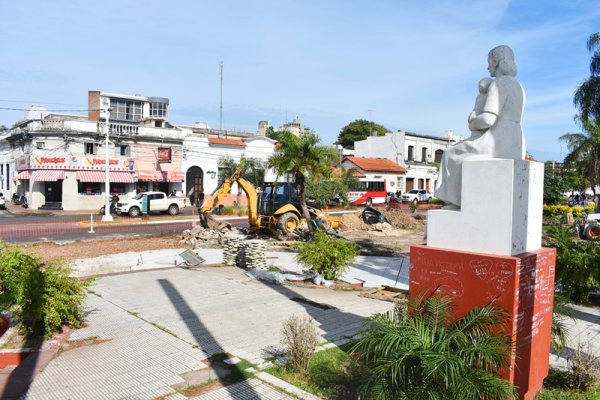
(417, 196)
(159, 202)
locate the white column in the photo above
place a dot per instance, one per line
(106, 217)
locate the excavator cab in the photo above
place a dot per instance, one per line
(275, 195)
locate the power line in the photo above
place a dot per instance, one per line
(45, 110)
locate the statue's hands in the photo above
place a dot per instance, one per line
(483, 121)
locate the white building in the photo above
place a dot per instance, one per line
(415, 152)
(58, 161)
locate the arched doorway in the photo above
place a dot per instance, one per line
(194, 185)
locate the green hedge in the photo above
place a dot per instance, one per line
(577, 211)
(41, 296)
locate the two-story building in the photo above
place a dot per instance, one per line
(415, 152)
(59, 161)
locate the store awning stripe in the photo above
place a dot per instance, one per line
(49, 175)
(90, 176)
(121, 177)
(99, 176)
(160, 176)
(23, 175)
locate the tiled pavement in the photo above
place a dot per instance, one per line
(148, 328)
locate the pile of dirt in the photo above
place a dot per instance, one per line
(397, 219)
(402, 220)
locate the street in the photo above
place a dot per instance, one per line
(30, 227)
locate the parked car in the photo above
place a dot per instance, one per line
(159, 202)
(2, 201)
(417, 196)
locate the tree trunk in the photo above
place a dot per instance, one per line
(300, 190)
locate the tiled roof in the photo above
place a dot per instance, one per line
(227, 142)
(376, 164)
(355, 173)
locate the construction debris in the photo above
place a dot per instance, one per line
(199, 236)
(386, 293)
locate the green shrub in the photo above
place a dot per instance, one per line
(327, 255)
(577, 211)
(421, 352)
(577, 272)
(234, 210)
(11, 275)
(42, 296)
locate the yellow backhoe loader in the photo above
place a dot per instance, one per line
(275, 207)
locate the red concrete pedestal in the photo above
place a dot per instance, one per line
(522, 284)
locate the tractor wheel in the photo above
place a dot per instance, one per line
(592, 231)
(288, 223)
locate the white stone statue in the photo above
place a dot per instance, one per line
(495, 125)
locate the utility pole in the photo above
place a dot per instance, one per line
(221, 104)
(106, 110)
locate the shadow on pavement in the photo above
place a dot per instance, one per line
(204, 338)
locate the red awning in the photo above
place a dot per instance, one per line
(148, 175)
(121, 177)
(49, 175)
(99, 176)
(23, 175)
(176, 176)
(160, 176)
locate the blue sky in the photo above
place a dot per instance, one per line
(411, 65)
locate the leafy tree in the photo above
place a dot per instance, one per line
(273, 134)
(252, 169)
(420, 352)
(555, 185)
(335, 187)
(587, 95)
(2, 127)
(300, 157)
(359, 130)
(584, 152)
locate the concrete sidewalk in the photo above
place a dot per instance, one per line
(147, 331)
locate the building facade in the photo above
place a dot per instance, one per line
(58, 161)
(415, 152)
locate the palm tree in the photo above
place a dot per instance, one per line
(252, 169)
(300, 156)
(587, 95)
(419, 352)
(584, 151)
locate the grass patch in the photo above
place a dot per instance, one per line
(162, 328)
(560, 385)
(332, 374)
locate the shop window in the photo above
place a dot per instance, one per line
(90, 148)
(118, 188)
(89, 188)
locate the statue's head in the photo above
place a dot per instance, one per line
(501, 61)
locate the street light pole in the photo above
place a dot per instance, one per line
(106, 217)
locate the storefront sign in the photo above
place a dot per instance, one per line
(164, 154)
(22, 163)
